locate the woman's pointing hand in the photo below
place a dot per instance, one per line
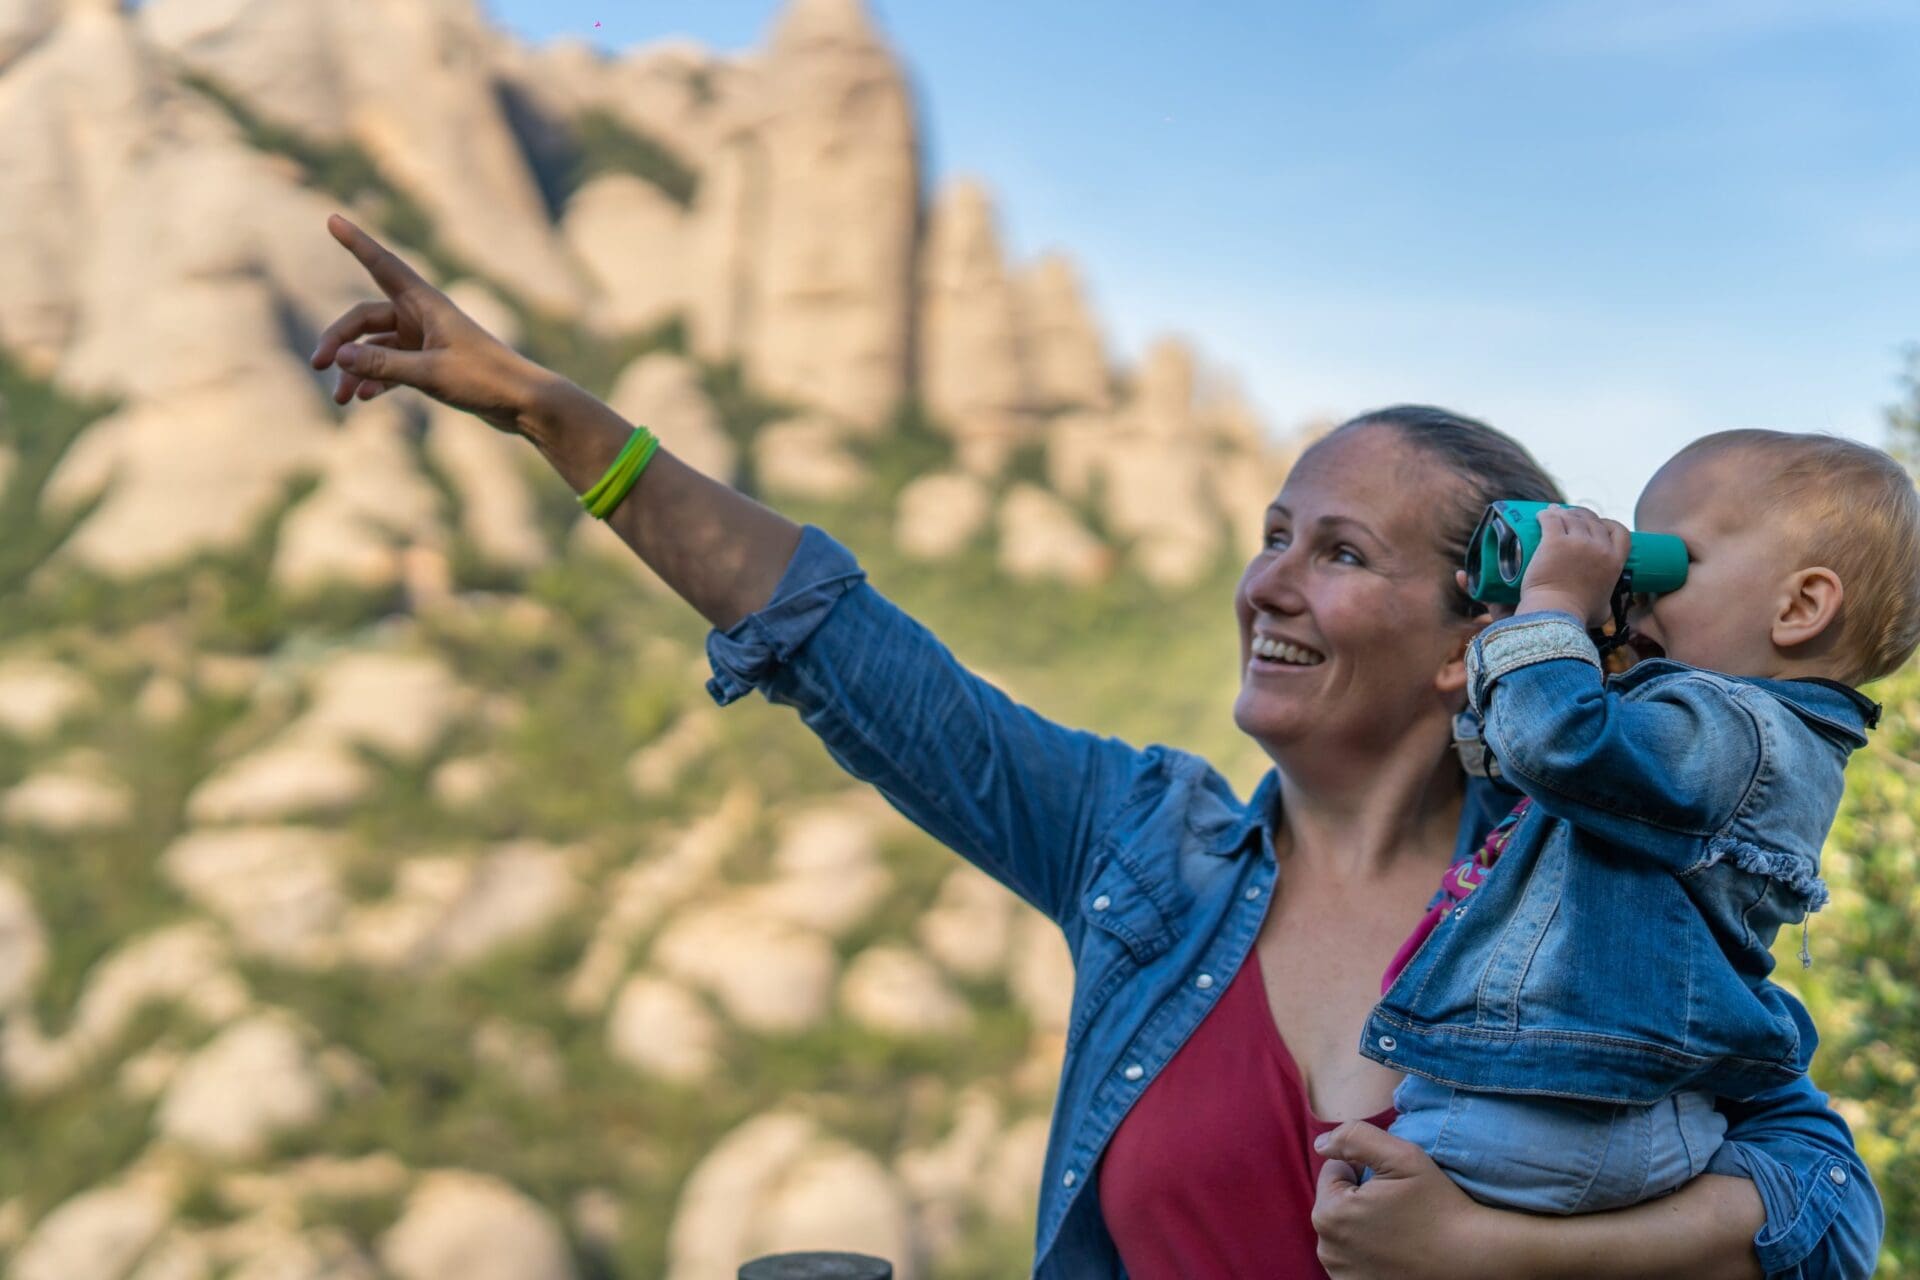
(417, 337)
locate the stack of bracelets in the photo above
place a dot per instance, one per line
(600, 500)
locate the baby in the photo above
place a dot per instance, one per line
(1566, 1026)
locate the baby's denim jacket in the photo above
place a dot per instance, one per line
(1620, 949)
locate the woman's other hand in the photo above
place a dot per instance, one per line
(417, 337)
(1407, 1222)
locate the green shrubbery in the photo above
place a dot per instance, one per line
(606, 144)
(1864, 986)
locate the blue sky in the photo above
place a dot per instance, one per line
(1607, 226)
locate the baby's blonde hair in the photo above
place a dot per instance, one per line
(1858, 514)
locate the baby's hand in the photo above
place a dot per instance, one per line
(1576, 565)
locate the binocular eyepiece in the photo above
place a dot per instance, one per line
(1509, 534)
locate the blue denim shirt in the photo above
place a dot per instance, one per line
(1620, 950)
(1159, 877)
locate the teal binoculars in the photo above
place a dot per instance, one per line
(1509, 534)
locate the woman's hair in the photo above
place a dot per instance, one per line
(1489, 465)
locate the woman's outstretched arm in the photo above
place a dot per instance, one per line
(720, 551)
(1025, 799)
(717, 548)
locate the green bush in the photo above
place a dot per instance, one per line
(1864, 987)
(610, 145)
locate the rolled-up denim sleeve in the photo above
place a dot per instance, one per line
(1824, 1217)
(819, 573)
(1678, 757)
(1020, 796)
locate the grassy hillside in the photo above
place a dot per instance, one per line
(606, 670)
(596, 667)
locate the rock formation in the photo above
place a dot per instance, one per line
(248, 839)
(973, 374)
(815, 209)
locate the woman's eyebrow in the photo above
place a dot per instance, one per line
(1348, 522)
(1279, 509)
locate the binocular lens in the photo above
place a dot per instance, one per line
(1511, 558)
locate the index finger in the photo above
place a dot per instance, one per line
(392, 275)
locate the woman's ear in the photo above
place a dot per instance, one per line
(1811, 603)
(1489, 613)
(1453, 672)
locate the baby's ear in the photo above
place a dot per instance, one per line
(1809, 607)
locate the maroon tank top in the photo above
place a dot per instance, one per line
(1212, 1174)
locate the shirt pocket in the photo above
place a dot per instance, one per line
(1117, 904)
(1126, 931)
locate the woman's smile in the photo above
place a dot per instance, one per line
(1270, 654)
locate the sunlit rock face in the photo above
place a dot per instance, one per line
(165, 169)
(420, 99)
(808, 216)
(973, 373)
(380, 891)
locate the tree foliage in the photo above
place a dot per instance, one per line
(1864, 987)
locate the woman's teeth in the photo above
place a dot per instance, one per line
(1280, 651)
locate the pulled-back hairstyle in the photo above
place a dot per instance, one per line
(1488, 466)
(1856, 512)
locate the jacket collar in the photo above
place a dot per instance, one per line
(1840, 707)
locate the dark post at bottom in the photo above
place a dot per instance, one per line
(817, 1266)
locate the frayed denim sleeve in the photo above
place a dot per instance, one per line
(1824, 1217)
(1023, 798)
(1522, 641)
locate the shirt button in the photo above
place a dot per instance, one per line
(1459, 911)
(1838, 1175)
(1204, 981)
(1135, 1071)
(1253, 891)
(1069, 1179)
(1388, 1043)
(1102, 902)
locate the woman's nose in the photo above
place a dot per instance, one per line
(1275, 584)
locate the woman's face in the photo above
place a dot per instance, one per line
(1345, 629)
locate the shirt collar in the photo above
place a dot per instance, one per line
(1257, 814)
(1487, 802)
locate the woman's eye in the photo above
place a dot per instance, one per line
(1347, 555)
(1278, 538)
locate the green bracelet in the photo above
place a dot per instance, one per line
(634, 442)
(613, 487)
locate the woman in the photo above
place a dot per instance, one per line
(1185, 909)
